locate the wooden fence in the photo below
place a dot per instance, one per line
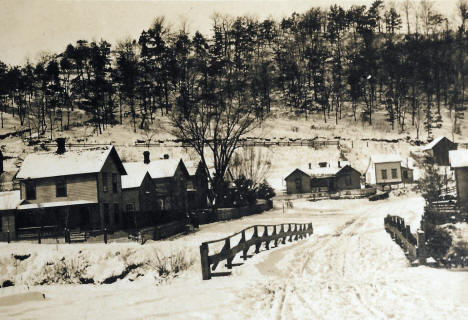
(228, 252)
(446, 211)
(414, 247)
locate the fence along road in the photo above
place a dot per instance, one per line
(270, 233)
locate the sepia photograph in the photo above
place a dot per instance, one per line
(233, 159)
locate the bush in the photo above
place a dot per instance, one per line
(170, 265)
(265, 191)
(438, 241)
(431, 185)
(245, 192)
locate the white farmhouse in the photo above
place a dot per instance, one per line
(387, 169)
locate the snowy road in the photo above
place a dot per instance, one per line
(349, 269)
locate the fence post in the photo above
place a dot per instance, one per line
(227, 247)
(282, 231)
(421, 247)
(205, 265)
(275, 234)
(245, 250)
(267, 240)
(105, 235)
(255, 235)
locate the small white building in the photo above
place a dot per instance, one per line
(387, 169)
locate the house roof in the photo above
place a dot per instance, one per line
(433, 143)
(383, 158)
(322, 172)
(458, 158)
(72, 162)
(136, 172)
(10, 200)
(164, 168)
(29, 206)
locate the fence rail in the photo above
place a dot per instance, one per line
(413, 246)
(228, 252)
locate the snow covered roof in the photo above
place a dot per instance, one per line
(72, 162)
(10, 200)
(136, 172)
(433, 143)
(29, 206)
(157, 169)
(382, 158)
(458, 158)
(322, 172)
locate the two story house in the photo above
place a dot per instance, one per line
(74, 189)
(170, 177)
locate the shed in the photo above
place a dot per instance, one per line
(438, 150)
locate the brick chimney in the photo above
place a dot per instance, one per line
(310, 165)
(60, 145)
(146, 157)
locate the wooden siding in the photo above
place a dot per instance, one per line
(461, 176)
(342, 177)
(109, 197)
(304, 182)
(440, 152)
(79, 187)
(387, 166)
(173, 188)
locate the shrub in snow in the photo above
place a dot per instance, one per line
(65, 270)
(438, 241)
(245, 192)
(170, 265)
(265, 191)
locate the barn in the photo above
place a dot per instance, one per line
(438, 150)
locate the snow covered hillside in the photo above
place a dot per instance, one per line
(349, 269)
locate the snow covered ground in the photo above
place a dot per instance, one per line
(349, 269)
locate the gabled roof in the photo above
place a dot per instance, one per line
(323, 172)
(136, 173)
(72, 162)
(157, 169)
(383, 158)
(9, 200)
(296, 170)
(458, 158)
(434, 142)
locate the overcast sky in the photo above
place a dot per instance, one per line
(28, 27)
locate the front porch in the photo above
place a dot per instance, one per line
(51, 219)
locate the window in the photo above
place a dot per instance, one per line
(394, 174)
(60, 187)
(116, 213)
(130, 207)
(114, 183)
(30, 190)
(298, 185)
(104, 182)
(384, 174)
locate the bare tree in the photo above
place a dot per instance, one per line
(251, 163)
